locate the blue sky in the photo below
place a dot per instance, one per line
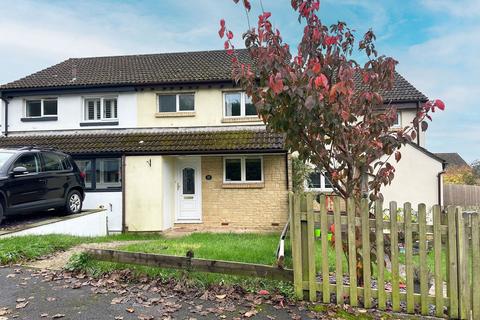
(437, 42)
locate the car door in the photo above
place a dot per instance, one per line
(56, 177)
(25, 190)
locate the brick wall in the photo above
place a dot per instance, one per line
(254, 207)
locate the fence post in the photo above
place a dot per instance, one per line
(324, 239)
(367, 274)
(476, 265)
(380, 255)
(338, 250)
(409, 255)
(452, 263)
(297, 248)
(394, 256)
(304, 245)
(437, 250)
(352, 252)
(312, 273)
(463, 272)
(422, 235)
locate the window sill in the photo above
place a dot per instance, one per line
(241, 119)
(46, 118)
(175, 114)
(98, 123)
(244, 185)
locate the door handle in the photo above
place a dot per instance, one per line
(44, 181)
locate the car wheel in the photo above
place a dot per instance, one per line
(74, 202)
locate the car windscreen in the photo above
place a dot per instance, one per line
(4, 156)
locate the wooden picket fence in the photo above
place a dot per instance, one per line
(453, 232)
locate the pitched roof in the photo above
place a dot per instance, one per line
(164, 68)
(147, 141)
(453, 159)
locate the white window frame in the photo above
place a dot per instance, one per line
(102, 108)
(243, 96)
(177, 102)
(102, 183)
(399, 120)
(322, 184)
(242, 170)
(42, 112)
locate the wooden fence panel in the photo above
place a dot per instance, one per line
(461, 195)
(460, 232)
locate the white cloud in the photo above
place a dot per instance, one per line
(459, 8)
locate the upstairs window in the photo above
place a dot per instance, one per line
(243, 169)
(238, 104)
(182, 102)
(37, 108)
(398, 121)
(318, 181)
(99, 109)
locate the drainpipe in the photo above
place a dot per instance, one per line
(6, 113)
(418, 125)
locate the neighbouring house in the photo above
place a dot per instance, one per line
(452, 159)
(168, 140)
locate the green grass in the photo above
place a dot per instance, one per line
(19, 249)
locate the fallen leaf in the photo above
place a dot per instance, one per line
(263, 292)
(118, 318)
(130, 310)
(21, 305)
(145, 317)
(44, 315)
(58, 316)
(250, 313)
(221, 296)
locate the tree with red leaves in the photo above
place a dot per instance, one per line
(328, 105)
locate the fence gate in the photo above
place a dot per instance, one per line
(395, 260)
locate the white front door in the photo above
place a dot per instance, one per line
(189, 190)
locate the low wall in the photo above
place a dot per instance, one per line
(86, 224)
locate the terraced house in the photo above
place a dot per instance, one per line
(168, 140)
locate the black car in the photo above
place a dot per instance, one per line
(35, 179)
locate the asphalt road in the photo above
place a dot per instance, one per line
(32, 294)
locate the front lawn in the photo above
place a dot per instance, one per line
(20, 249)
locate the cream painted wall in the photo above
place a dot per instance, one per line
(144, 193)
(208, 110)
(168, 193)
(416, 179)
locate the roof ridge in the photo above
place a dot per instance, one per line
(153, 54)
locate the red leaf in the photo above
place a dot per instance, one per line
(330, 40)
(398, 156)
(316, 67)
(230, 35)
(221, 32)
(263, 292)
(345, 115)
(276, 84)
(440, 105)
(247, 5)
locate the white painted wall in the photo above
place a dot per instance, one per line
(416, 179)
(111, 202)
(88, 225)
(407, 117)
(70, 113)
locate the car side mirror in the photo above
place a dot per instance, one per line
(19, 171)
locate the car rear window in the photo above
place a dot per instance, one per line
(4, 156)
(53, 162)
